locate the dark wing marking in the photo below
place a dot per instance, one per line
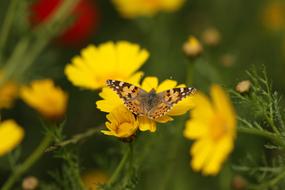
(129, 94)
(169, 99)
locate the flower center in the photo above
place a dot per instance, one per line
(218, 127)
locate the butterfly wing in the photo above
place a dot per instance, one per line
(129, 94)
(168, 99)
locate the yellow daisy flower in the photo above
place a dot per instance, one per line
(111, 101)
(11, 134)
(136, 8)
(122, 123)
(109, 60)
(213, 126)
(42, 95)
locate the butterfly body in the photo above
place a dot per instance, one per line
(150, 104)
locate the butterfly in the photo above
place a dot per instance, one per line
(150, 104)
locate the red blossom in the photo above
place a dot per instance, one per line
(85, 23)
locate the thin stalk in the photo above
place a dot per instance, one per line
(21, 169)
(6, 26)
(75, 139)
(119, 168)
(269, 135)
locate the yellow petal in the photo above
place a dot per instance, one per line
(11, 135)
(146, 124)
(42, 95)
(110, 102)
(164, 119)
(182, 107)
(129, 57)
(135, 78)
(122, 123)
(149, 83)
(165, 85)
(109, 60)
(200, 151)
(223, 105)
(202, 107)
(220, 153)
(195, 129)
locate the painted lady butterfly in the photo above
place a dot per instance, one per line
(150, 104)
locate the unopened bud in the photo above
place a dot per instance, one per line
(211, 37)
(243, 86)
(30, 183)
(192, 47)
(239, 183)
(228, 60)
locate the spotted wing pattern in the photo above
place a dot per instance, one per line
(129, 94)
(169, 99)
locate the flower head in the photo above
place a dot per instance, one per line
(111, 101)
(42, 95)
(110, 60)
(136, 8)
(213, 127)
(121, 123)
(11, 134)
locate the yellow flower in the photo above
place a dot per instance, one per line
(46, 98)
(111, 101)
(136, 8)
(122, 123)
(110, 60)
(213, 126)
(8, 92)
(11, 135)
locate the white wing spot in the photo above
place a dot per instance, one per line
(121, 83)
(182, 89)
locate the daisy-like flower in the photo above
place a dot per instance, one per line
(136, 8)
(109, 60)
(111, 102)
(42, 95)
(122, 123)
(11, 134)
(213, 127)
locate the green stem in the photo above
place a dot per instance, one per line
(119, 168)
(269, 135)
(7, 25)
(75, 139)
(21, 169)
(271, 123)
